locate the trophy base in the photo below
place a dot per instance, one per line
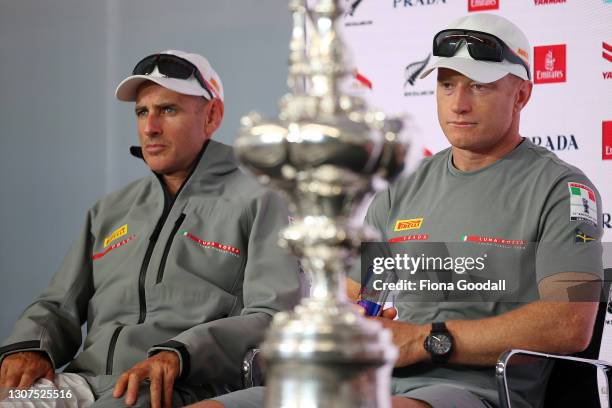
(326, 355)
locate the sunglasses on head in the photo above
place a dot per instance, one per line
(171, 66)
(481, 46)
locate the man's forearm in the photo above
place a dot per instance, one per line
(552, 327)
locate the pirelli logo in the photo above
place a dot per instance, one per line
(403, 225)
(118, 233)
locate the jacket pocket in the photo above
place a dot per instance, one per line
(162, 265)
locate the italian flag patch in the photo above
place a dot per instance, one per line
(583, 205)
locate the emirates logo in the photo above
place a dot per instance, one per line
(606, 140)
(550, 64)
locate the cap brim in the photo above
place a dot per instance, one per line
(127, 90)
(479, 71)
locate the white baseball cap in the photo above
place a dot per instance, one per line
(128, 88)
(487, 71)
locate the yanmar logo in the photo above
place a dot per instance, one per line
(481, 5)
(606, 140)
(403, 225)
(546, 2)
(556, 143)
(415, 3)
(550, 64)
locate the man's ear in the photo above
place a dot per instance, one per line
(523, 95)
(214, 116)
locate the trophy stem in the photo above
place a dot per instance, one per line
(329, 287)
(322, 154)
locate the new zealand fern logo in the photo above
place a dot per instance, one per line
(412, 71)
(353, 4)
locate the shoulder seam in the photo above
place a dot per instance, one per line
(555, 160)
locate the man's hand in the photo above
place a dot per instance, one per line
(161, 369)
(24, 368)
(407, 337)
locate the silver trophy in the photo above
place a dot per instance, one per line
(322, 154)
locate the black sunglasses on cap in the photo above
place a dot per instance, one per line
(171, 66)
(481, 46)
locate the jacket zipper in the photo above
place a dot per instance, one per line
(162, 265)
(145, 262)
(141, 288)
(111, 350)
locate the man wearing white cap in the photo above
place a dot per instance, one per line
(177, 274)
(498, 193)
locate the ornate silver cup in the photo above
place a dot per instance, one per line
(322, 154)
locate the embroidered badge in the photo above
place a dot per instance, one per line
(118, 233)
(583, 205)
(228, 249)
(501, 242)
(413, 237)
(582, 236)
(114, 246)
(403, 225)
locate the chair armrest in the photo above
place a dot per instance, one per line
(502, 365)
(252, 374)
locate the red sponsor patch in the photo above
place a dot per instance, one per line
(606, 140)
(413, 237)
(212, 244)
(494, 240)
(114, 246)
(550, 64)
(481, 5)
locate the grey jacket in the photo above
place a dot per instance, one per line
(201, 275)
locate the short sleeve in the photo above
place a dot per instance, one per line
(376, 217)
(570, 229)
(378, 211)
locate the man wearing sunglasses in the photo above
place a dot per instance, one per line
(495, 191)
(500, 194)
(177, 274)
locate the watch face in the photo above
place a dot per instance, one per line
(439, 343)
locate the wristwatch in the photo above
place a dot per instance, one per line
(439, 343)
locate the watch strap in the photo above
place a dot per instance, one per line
(438, 327)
